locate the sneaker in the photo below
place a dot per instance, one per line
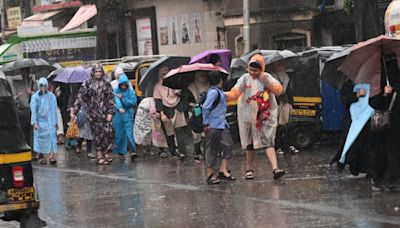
(280, 151)
(182, 156)
(91, 156)
(133, 156)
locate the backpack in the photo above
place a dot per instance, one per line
(196, 120)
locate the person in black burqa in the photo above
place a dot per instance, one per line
(356, 156)
(384, 156)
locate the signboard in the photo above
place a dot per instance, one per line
(144, 39)
(14, 17)
(65, 55)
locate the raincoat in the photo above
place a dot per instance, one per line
(246, 88)
(44, 114)
(123, 122)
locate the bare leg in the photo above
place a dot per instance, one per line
(272, 157)
(250, 158)
(209, 171)
(224, 167)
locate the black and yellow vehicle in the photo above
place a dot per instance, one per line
(18, 196)
(317, 109)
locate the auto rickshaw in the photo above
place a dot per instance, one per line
(18, 196)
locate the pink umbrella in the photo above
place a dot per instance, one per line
(363, 64)
(180, 77)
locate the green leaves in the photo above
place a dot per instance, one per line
(348, 6)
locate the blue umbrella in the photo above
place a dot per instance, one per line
(73, 75)
(360, 112)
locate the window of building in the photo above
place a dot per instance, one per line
(290, 41)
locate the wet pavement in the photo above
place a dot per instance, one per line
(154, 192)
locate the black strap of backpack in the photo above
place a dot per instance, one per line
(216, 101)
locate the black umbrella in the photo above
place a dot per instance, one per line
(290, 58)
(36, 65)
(330, 73)
(151, 75)
(239, 65)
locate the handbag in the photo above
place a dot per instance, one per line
(381, 119)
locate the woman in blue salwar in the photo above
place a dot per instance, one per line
(123, 119)
(44, 121)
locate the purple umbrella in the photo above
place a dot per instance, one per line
(73, 75)
(204, 57)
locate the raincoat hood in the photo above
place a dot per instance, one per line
(260, 60)
(43, 81)
(123, 79)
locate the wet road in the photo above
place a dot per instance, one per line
(154, 192)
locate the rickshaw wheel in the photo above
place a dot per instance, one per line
(302, 137)
(30, 219)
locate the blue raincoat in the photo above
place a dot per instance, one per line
(44, 114)
(123, 122)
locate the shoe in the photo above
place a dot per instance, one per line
(91, 156)
(294, 150)
(280, 151)
(212, 179)
(182, 156)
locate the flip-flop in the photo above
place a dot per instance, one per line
(53, 161)
(102, 161)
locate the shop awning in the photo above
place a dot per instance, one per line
(57, 6)
(38, 19)
(81, 16)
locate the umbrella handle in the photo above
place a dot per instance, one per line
(385, 68)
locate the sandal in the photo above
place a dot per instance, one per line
(294, 149)
(91, 156)
(43, 162)
(149, 153)
(53, 161)
(212, 179)
(223, 177)
(278, 173)
(163, 155)
(108, 158)
(78, 152)
(102, 161)
(249, 174)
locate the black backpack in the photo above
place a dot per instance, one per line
(196, 120)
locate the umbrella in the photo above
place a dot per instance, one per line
(73, 75)
(151, 75)
(330, 73)
(360, 112)
(363, 64)
(53, 74)
(239, 65)
(178, 78)
(204, 57)
(272, 56)
(36, 65)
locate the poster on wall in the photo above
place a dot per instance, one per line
(196, 24)
(163, 29)
(185, 29)
(14, 17)
(174, 30)
(144, 39)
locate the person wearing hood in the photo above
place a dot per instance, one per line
(44, 121)
(257, 113)
(117, 73)
(123, 119)
(97, 96)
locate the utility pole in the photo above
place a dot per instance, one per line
(3, 21)
(246, 25)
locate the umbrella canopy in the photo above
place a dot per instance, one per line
(73, 75)
(36, 65)
(151, 75)
(180, 77)
(53, 74)
(288, 57)
(363, 64)
(330, 72)
(204, 57)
